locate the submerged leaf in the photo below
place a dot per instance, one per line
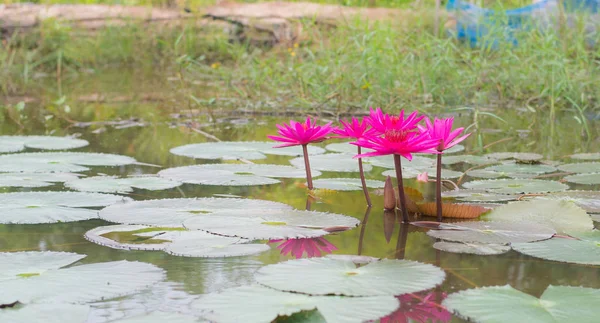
(333, 163)
(231, 150)
(11, 144)
(345, 184)
(517, 186)
(114, 184)
(482, 249)
(492, 232)
(59, 162)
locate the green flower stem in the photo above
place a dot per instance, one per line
(398, 165)
(438, 187)
(363, 181)
(307, 167)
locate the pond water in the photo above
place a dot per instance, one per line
(379, 235)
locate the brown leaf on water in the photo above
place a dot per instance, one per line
(452, 210)
(9, 305)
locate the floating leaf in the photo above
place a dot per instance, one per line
(452, 210)
(34, 179)
(592, 167)
(514, 168)
(46, 313)
(233, 174)
(482, 173)
(11, 144)
(59, 162)
(231, 150)
(492, 232)
(52, 207)
(275, 224)
(325, 276)
(161, 317)
(469, 195)
(344, 147)
(506, 304)
(19, 264)
(469, 159)
(418, 162)
(257, 304)
(517, 186)
(564, 250)
(516, 156)
(586, 179)
(586, 156)
(173, 212)
(413, 172)
(332, 163)
(114, 184)
(345, 184)
(81, 284)
(596, 217)
(454, 149)
(561, 215)
(482, 249)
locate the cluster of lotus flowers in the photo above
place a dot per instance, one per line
(384, 134)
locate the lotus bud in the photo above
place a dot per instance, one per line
(389, 195)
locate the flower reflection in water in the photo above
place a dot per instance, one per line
(313, 247)
(422, 308)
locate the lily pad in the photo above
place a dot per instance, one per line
(34, 179)
(563, 216)
(233, 174)
(52, 207)
(454, 149)
(231, 150)
(492, 232)
(59, 162)
(333, 163)
(345, 184)
(275, 224)
(11, 144)
(344, 147)
(471, 195)
(512, 155)
(431, 172)
(114, 184)
(47, 313)
(258, 304)
(592, 167)
(326, 276)
(23, 264)
(93, 282)
(514, 168)
(506, 304)
(482, 249)
(587, 200)
(469, 159)
(517, 186)
(585, 251)
(418, 162)
(482, 173)
(161, 317)
(586, 156)
(585, 179)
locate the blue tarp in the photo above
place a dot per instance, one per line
(479, 26)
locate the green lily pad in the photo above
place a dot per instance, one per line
(431, 172)
(492, 232)
(506, 304)
(591, 167)
(11, 144)
(469, 159)
(345, 184)
(59, 162)
(161, 317)
(565, 250)
(454, 149)
(563, 216)
(586, 156)
(47, 313)
(93, 282)
(482, 249)
(52, 207)
(233, 174)
(34, 179)
(596, 217)
(19, 264)
(587, 200)
(482, 173)
(344, 147)
(332, 163)
(514, 168)
(517, 156)
(418, 162)
(327, 276)
(231, 150)
(276, 224)
(472, 195)
(173, 212)
(517, 186)
(585, 179)
(258, 304)
(114, 184)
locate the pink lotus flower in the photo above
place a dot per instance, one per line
(382, 122)
(397, 142)
(313, 247)
(441, 129)
(356, 129)
(297, 133)
(423, 177)
(414, 308)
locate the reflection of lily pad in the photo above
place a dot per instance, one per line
(472, 248)
(417, 162)
(232, 174)
(173, 212)
(283, 224)
(59, 162)
(469, 159)
(561, 215)
(325, 276)
(79, 284)
(565, 250)
(586, 156)
(257, 304)
(114, 184)
(492, 232)
(516, 156)
(46, 313)
(11, 144)
(514, 168)
(592, 167)
(332, 163)
(506, 304)
(52, 207)
(345, 184)
(19, 264)
(586, 179)
(431, 172)
(240, 149)
(469, 195)
(34, 179)
(517, 186)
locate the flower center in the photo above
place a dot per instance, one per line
(395, 135)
